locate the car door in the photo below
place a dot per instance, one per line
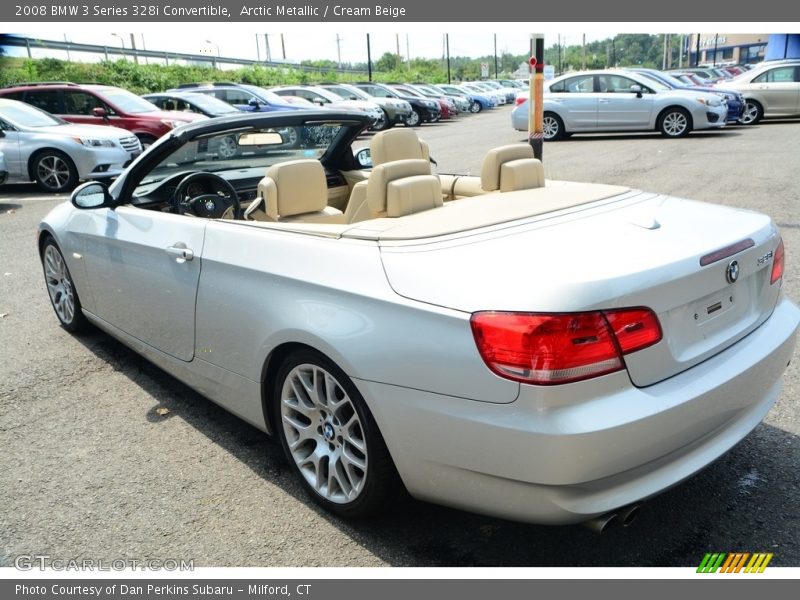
(574, 99)
(79, 106)
(144, 269)
(620, 108)
(780, 89)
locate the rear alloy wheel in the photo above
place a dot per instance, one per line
(675, 122)
(62, 292)
(330, 437)
(752, 114)
(552, 127)
(414, 119)
(475, 107)
(54, 172)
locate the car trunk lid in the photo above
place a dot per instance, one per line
(641, 251)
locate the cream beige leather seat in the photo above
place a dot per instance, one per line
(397, 144)
(295, 190)
(395, 189)
(511, 168)
(386, 147)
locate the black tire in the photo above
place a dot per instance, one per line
(53, 171)
(553, 127)
(675, 122)
(146, 140)
(414, 119)
(384, 124)
(379, 482)
(475, 107)
(61, 289)
(753, 112)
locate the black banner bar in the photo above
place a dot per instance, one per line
(463, 11)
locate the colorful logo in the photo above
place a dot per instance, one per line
(735, 562)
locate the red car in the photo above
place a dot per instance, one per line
(100, 105)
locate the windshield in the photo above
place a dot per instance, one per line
(656, 85)
(126, 102)
(360, 94)
(256, 149)
(25, 115)
(266, 95)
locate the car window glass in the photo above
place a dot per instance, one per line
(237, 97)
(47, 100)
(582, 84)
(616, 84)
(80, 103)
(5, 126)
(780, 75)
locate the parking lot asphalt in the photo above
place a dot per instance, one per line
(92, 467)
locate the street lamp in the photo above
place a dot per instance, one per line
(121, 43)
(215, 46)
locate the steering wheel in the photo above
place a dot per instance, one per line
(208, 206)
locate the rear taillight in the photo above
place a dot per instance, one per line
(777, 264)
(519, 100)
(548, 349)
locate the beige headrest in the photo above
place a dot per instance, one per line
(490, 170)
(410, 195)
(397, 144)
(383, 174)
(294, 188)
(521, 174)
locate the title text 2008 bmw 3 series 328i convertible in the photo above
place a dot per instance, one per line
(538, 350)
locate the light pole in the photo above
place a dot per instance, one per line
(121, 43)
(214, 60)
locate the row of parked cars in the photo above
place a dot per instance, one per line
(57, 133)
(640, 99)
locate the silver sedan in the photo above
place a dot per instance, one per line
(621, 101)
(416, 342)
(55, 154)
(772, 89)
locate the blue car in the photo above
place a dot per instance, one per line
(734, 99)
(478, 102)
(249, 98)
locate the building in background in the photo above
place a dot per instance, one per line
(727, 48)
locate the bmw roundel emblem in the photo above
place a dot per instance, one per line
(211, 206)
(732, 272)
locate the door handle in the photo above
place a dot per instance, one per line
(180, 252)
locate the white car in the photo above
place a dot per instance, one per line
(538, 350)
(55, 154)
(593, 101)
(771, 89)
(326, 98)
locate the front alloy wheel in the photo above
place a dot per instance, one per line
(62, 292)
(675, 123)
(752, 113)
(475, 107)
(330, 438)
(54, 172)
(413, 119)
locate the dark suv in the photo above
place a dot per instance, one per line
(424, 110)
(91, 104)
(241, 95)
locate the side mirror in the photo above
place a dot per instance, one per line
(637, 89)
(92, 194)
(99, 111)
(318, 100)
(364, 158)
(254, 103)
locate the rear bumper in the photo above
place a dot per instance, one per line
(565, 454)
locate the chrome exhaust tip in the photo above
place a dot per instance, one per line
(602, 523)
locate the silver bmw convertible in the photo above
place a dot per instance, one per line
(538, 350)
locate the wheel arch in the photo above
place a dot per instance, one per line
(272, 363)
(39, 151)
